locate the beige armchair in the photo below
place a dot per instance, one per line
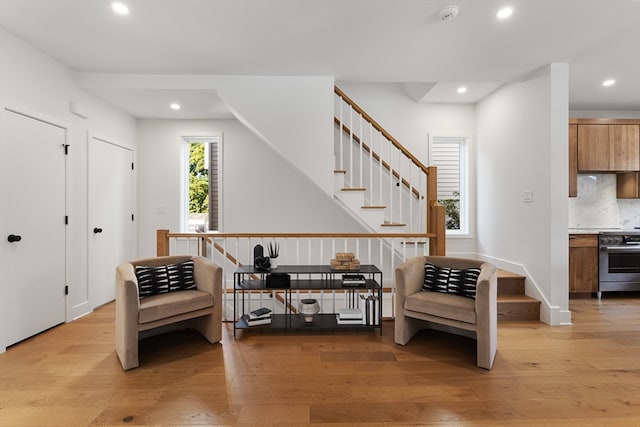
(136, 318)
(475, 318)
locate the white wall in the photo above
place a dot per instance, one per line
(262, 191)
(32, 80)
(522, 146)
(411, 123)
(292, 114)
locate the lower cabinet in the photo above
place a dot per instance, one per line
(583, 263)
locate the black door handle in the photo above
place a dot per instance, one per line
(97, 230)
(13, 238)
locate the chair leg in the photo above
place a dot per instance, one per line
(127, 348)
(209, 327)
(406, 328)
(486, 352)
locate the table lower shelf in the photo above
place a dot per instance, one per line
(295, 322)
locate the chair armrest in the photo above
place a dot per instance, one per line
(486, 292)
(127, 299)
(208, 276)
(409, 279)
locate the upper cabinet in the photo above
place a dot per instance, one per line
(573, 160)
(608, 147)
(628, 185)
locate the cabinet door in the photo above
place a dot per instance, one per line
(583, 263)
(593, 148)
(627, 185)
(624, 148)
(573, 160)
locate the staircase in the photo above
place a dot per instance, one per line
(389, 191)
(373, 217)
(513, 304)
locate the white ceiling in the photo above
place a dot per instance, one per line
(353, 40)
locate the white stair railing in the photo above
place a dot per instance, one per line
(375, 161)
(231, 251)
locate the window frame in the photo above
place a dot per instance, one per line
(185, 142)
(464, 140)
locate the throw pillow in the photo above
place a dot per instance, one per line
(181, 276)
(451, 280)
(152, 280)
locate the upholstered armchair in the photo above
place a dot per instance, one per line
(165, 304)
(418, 309)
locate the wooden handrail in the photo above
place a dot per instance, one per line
(436, 215)
(380, 129)
(163, 236)
(377, 157)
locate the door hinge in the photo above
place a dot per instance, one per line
(66, 290)
(66, 148)
(66, 220)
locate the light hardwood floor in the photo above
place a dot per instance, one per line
(587, 374)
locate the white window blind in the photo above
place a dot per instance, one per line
(448, 153)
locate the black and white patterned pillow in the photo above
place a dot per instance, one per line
(152, 280)
(165, 278)
(181, 276)
(451, 280)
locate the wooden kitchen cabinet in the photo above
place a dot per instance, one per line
(573, 160)
(608, 147)
(624, 147)
(628, 185)
(593, 148)
(583, 263)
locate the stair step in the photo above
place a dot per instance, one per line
(373, 207)
(518, 307)
(354, 189)
(513, 304)
(510, 283)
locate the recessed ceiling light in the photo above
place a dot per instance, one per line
(175, 106)
(504, 13)
(120, 8)
(462, 89)
(609, 82)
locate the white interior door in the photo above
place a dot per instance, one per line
(111, 230)
(32, 226)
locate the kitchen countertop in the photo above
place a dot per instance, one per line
(591, 230)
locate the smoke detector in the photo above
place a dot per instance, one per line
(448, 13)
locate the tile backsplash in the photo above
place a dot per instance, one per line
(597, 206)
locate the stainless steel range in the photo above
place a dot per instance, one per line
(619, 261)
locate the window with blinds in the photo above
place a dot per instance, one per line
(201, 201)
(448, 155)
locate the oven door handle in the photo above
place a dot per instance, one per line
(619, 249)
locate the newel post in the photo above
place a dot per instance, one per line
(435, 215)
(162, 242)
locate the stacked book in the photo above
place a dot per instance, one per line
(370, 309)
(349, 316)
(345, 261)
(260, 316)
(353, 281)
